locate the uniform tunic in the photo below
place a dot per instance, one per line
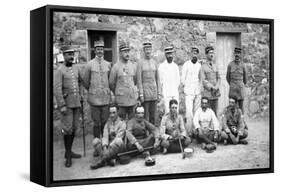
(96, 79)
(237, 78)
(148, 79)
(172, 127)
(210, 78)
(140, 130)
(67, 94)
(123, 82)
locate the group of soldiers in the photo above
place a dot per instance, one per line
(123, 100)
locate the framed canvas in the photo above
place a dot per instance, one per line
(125, 95)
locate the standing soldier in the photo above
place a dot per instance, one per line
(148, 83)
(236, 77)
(169, 78)
(96, 79)
(123, 83)
(191, 80)
(211, 79)
(67, 80)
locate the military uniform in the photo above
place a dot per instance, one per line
(148, 85)
(141, 131)
(236, 77)
(233, 118)
(170, 130)
(113, 137)
(123, 83)
(96, 79)
(210, 78)
(67, 93)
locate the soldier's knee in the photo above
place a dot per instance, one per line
(96, 142)
(165, 143)
(187, 141)
(223, 135)
(117, 142)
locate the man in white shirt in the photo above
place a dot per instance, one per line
(191, 81)
(206, 126)
(169, 78)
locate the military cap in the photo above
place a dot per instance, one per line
(147, 44)
(67, 49)
(169, 49)
(237, 49)
(195, 49)
(124, 46)
(209, 48)
(99, 43)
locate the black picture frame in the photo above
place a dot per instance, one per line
(41, 95)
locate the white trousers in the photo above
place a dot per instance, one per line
(192, 103)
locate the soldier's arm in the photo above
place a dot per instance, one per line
(113, 78)
(163, 134)
(241, 124)
(121, 130)
(245, 78)
(205, 82)
(218, 80)
(157, 77)
(215, 121)
(152, 129)
(182, 128)
(224, 120)
(196, 120)
(58, 88)
(228, 74)
(129, 134)
(105, 137)
(139, 79)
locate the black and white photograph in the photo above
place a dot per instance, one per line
(144, 96)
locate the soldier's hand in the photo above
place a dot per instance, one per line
(181, 137)
(156, 144)
(240, 133)
(216, 136)
(139, 147)
(63, 110)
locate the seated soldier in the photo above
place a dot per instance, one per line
(233, 127)
(206, 126)
(141, 133)
(172, 130)
(112, 141)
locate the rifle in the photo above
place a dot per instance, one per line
(83, 126)
(134, 151)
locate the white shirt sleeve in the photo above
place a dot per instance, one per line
(215, 121)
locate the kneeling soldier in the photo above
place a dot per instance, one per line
(67, 79)
(233, 126)
(172, 130)
(141, 133)
(112, 141)
(206, 126)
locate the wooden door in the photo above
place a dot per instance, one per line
(225, 44)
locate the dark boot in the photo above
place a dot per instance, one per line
(67, 145)
(98, 164)
(73, 155)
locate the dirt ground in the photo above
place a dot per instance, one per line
(230, 157)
